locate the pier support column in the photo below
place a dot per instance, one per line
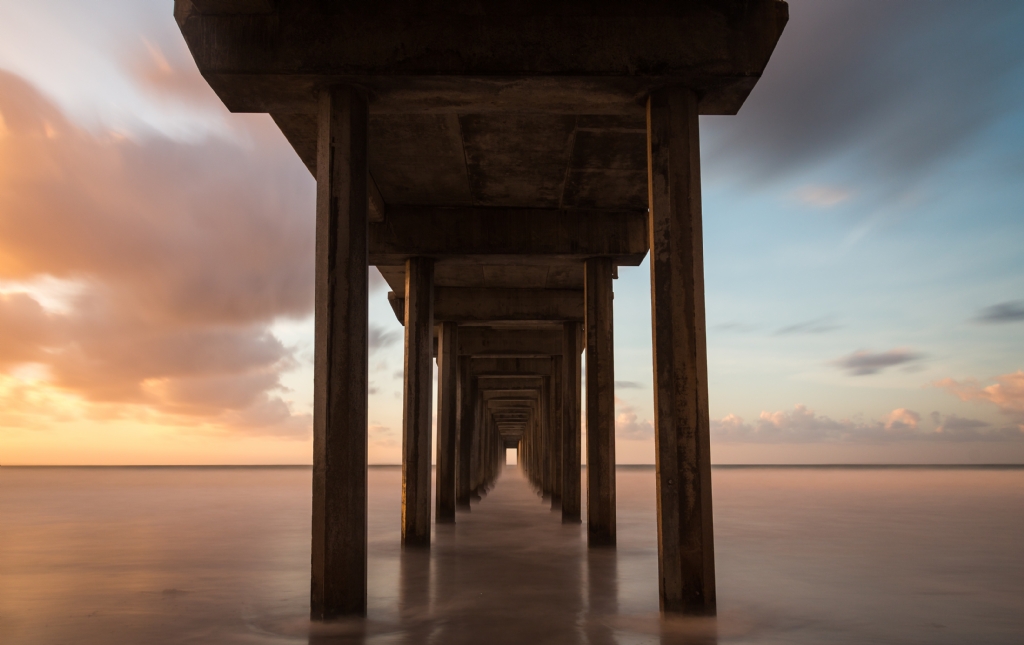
(467, 399)
(417, 401)
(686, 557)
(340, 385)
(597, 290)
(555, 416)
(447, 429)
(571, 368)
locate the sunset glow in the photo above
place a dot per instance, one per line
(865, 280)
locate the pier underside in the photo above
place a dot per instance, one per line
(497, 162)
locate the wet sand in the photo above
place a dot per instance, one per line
(197, 555)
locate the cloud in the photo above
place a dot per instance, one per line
(380, 338)
(822, 196)
(802, 425)
(627, 424)
(167, 69)
(628, 385)
(183, 255)
(902, 419)
(863, 363)
(1007, 394)
(816, 326)
(383, 435)
(896, 96)
(1003, 312)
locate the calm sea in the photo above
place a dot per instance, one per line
(221, 555)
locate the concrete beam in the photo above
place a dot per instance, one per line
(505, 234)
(511, 367)
(453, 304)
(505, 56)
(492, 341)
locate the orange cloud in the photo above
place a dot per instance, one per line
(185, 254)
(1007, 393)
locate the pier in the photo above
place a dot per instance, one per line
(497, 162)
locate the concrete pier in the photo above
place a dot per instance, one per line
(572, 502)
(419, 378)
(447, 422)
(497, 163)
(600, 403)
(681, 419)
(340, 384)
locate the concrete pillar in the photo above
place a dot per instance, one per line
(467, 401)
(417, 401)
(555, 420)
(479, 418)
(544, 442)
(340, 385)
(686, 557)
(597, 287)
(571, 393)
(447, 418)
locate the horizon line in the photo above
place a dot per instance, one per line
(433, 466)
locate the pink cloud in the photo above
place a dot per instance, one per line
(803, 425)
(185, 253)
(1007, 393)
(628, 425)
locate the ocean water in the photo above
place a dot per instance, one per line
(221, 555)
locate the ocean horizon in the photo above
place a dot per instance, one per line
(804, 554)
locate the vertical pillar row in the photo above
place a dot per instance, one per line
(340, 378)
(417, 401)
(686, 558)
(597, 290)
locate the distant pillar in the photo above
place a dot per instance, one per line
(338, 562)
(555, 416)
(597, 289)
(467, 399)
(419, 340)
(686, 557)
(571, 455)
(544, 435)
(447, 416)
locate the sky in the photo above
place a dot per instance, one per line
(864, 249)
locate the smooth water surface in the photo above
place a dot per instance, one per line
(221, 555)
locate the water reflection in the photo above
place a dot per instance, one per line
(162, 556)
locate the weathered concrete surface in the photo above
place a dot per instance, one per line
(508, 104)
(572, 501)
(600, 404)
(447, 423)
(603, 52)
(340, 383)
(492, 305)
(555, 422)
(467, 428)
(490, 234)
(416, 417)
(681, 418)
